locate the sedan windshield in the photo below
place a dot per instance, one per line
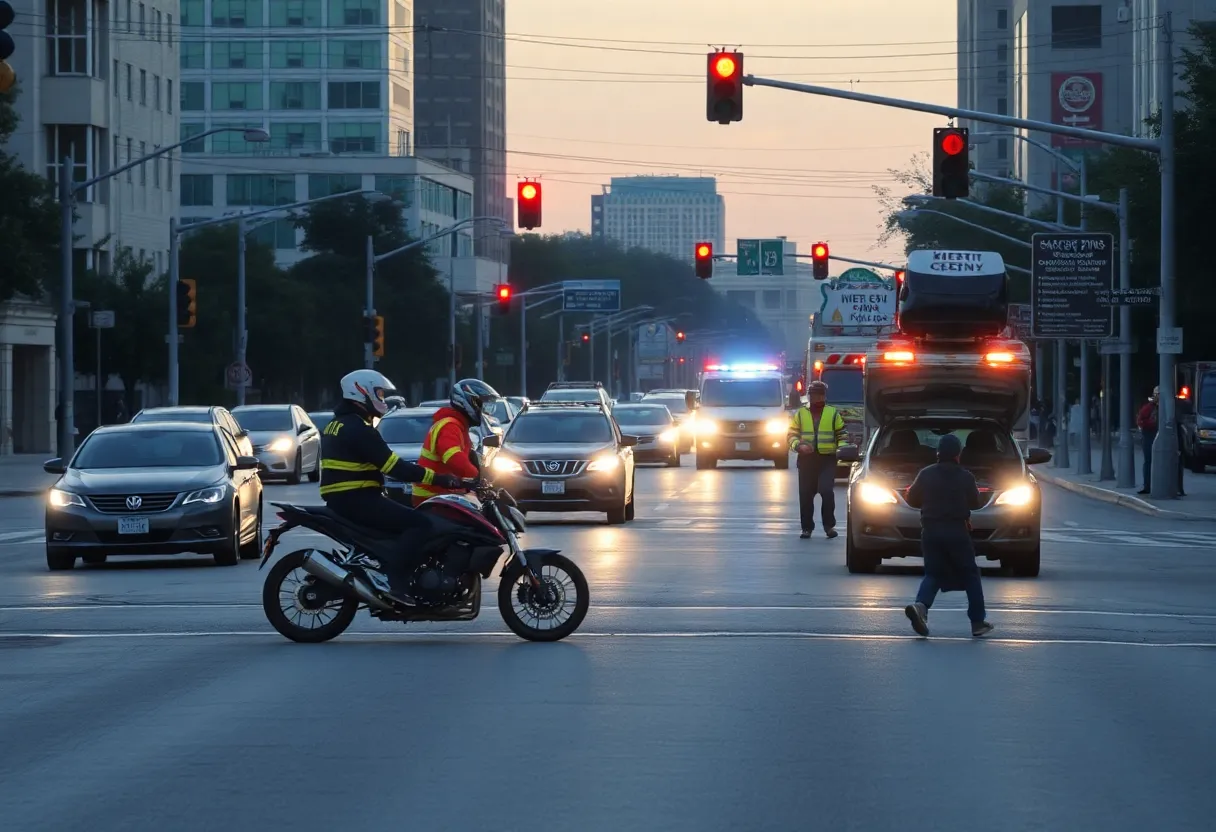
(985, 444)
(264, 418)
(545, 428)
(198, 417)
(631, 414)
(405, 430)
(166, 448)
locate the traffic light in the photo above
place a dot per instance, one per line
(586, 337)
(724, 87)
(951, 162)
(187, 303)
(502, 298)
(819, 261)
(704, 253)
(680, 336)
(7, 76)
(378, 336)
(528, 201)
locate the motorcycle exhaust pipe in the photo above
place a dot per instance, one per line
(334, 575)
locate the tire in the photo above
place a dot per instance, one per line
(506, 594)
(706, 462)
(270, 605)
(857, 561)
(58, 561)
(253, 549)
(1024, 566)
(630, 510)
(315, 474)
(675, 460)
(294, 477)
(229, 553)
(617, 516)
(782, 462)
(94, 560)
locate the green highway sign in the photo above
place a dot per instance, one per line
(747, 258)
(772, 257)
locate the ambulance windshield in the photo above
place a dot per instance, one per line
(742, 392)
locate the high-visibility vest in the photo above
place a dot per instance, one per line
(826, 436)
(435, 460)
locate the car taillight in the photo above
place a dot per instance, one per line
(999, 358)
(899, 357)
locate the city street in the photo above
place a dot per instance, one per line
(728, 676)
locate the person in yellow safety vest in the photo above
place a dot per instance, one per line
(448, 449)
(816, 432)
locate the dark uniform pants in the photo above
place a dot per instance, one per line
(817, 475)
(371, 509)
(949, 566)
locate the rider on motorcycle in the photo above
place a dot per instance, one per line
(448, 448)
(354, 461)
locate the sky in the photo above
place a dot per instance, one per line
(598, 89)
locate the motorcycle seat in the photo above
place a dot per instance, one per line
(326, 513)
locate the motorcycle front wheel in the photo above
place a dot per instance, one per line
(551, 616)
(301, 607)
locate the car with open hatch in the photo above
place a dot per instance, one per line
(567, 456)
(284, 439)
(404, 431)
(653, 425)
(154, 489)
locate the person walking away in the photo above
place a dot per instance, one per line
(1146, 420)
(448, 448)
(946, 494)
(816, 432)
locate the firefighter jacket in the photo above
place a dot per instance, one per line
(446, 450)
(355, 458)
(825, 434)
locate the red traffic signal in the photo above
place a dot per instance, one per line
(724, 87)
(586, 337)
(502, 296)
(951, 162)
(680, 335)
(528, 203)
(704, 255)
(819, 261)
(504, 292)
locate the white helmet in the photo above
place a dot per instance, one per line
(367, 388)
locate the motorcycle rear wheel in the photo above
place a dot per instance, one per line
(562, 574)
(275, 594)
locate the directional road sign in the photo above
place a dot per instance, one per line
(591, 296)
(772, 257)
(1072, 278)
(747, 258)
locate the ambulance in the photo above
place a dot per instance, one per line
(741, 414)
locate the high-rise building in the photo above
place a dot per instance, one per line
(985, 41)
(667, 214)
(460, 115)
(1144, 20)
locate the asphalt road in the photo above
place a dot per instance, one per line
(729, 676)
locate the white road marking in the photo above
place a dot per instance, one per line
(25, 533)
(661, 507)
(1072, 523)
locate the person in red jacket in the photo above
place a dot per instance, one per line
(447, 448)
(1146, 420)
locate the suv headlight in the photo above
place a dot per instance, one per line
(607, 462)
(283, 443)
(206, 495)
(669, 435)
(704, 427)
(62, 499)
(506, 465)
(774, 426)
(875, 494)
(1022, 495)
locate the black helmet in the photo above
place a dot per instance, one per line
(470, 395)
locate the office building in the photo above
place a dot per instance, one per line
(1145, 18)
(985, 58)
(460, 114)
(667, 214)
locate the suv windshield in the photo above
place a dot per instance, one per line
(1207, 395)
(198, 417)
(637, 415)
(545, 428)
(166, 448)
(742, 392)
(264, 418)
(844, 385)
(405, 430)
(985, 444)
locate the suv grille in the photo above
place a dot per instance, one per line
(555, 467)
(729, 427)
(117, 503)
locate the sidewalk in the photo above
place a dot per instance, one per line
(21, 475)
(1198, 504)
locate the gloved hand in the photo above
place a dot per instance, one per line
(449, 481)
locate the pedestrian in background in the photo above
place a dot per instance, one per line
(946, 494)
(1146, 420)
(816, 432)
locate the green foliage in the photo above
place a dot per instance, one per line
(29, 219)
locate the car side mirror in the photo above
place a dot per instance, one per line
(54, 466)
(492, 441)
(690, 400)
(1037, 456)
(248, 463)
(302, 429)
(848, 453)
(628, 441)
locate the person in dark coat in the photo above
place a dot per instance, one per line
(946, 494)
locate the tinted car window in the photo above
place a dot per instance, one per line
(405, 430)
(193, 416)
(264, 419)
(920, 439)
(635, 415)
(535, 428)
(150, 449)
(843, 385)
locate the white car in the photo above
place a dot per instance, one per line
(284, 439)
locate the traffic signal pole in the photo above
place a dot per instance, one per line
(174, 257)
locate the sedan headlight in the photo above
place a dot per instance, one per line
(705, 428)
(875, 494)
(278, 446)
(1022, 495)
(669, 435)
(62, 499)
(775, 426)
(608, 462)
(506, 465)
(206, 495)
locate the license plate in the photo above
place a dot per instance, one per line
(552, 488)
(743, 446)
(132, 525)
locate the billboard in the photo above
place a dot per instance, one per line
(1076, 101)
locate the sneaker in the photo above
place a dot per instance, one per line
(831, 533)
(918, 614)
(981, 629)
(805, 535)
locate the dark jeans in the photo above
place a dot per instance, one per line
(377, 512)
(1146, 445)
(817, 475)
(950, 564)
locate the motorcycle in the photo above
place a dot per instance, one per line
(312, 595)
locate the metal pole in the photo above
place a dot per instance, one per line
(1084, 449)
(1061, 456)
(369, 303)
(241, 335)
(99, 386)
(1059, 199)
(1107, 471)
(561, 347)
(591, 350)
(452, 319)
(523, 346)
(1165, 449)
(1127, 453)
(67, 309)
(1039, 372)
(608, 359)
(481, 370)
(174, 257)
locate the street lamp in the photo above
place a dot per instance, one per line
(67, 198)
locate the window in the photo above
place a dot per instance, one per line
(193, 55)
(1002, 149)
(194, 96)
(169, 94)
(114, 79)
(354, 12)
(1002, 106)
(130, 16)
(327, 184)
(400, 188)
(67, 140)
(234, 141)
(192, 13)
(1002, 18)
(791, 298)
(464, 205)
(354, 54)
(295, 13)
(236, 95)
(1002, 53)
(68, 38)
(771, 298)
(156, 27)
(280, 234)
(1076, 27)
(295, 136)
(130, 84)
(143, 169)
(198, 189)
(169, 29)
(1002, 76)
(354, 95)
(130, 156)
(116, 151)
(261, 189)
(169, 172)
(143, 20)
(401, 96)
(403, 142)
(236, 14)
(156, 171)
(156, 92)
(143, 87)
(295, 54)
(295, 95)
(236, 54)
(189, 130)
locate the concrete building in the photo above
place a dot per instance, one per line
(460, 63)
(667, 214)
(1147, 46)
(985, 59)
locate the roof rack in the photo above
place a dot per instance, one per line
(551, 404)
(574, 385)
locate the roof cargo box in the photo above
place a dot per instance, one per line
(954, 294)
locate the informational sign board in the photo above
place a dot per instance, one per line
(591, 296)
(857, 300)
(102, 320)
(1071, 281)
(755, 257)
(747, 258)
(654, 344)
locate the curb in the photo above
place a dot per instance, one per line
(1107, 495)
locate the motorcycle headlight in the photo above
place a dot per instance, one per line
(506, 465)
(206, 495)
(775, 426)
(875, 494)
(1022, 495)
(280, 445)
(669, 435)
(607, 462)
(62, 499)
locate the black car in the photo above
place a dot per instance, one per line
(653, 425)
(219, 416)
(154, 489)
(566, 457)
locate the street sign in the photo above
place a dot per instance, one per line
(772, 257)
(1072, 275)
(102, 320)
(857, 301)
(1141, 296)
(238, 375)
(502, 358)
(591, 296)
(747, 258)
(1169, 340)
(1116, 347)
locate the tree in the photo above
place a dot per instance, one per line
(29, 219)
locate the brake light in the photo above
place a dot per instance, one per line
(1184, 393)
(999, 358)
(899, 357)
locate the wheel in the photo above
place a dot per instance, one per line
(59, 561)
(230, 552)
(782, 462)
(94, 560)
(315, 474)
(675, 460)
(559, 616)
(706, 462)
(629, 509)
(294, 477)
(857, 561)
(617, 516)
(314, 612)
(253, 549)
(1024, 566)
